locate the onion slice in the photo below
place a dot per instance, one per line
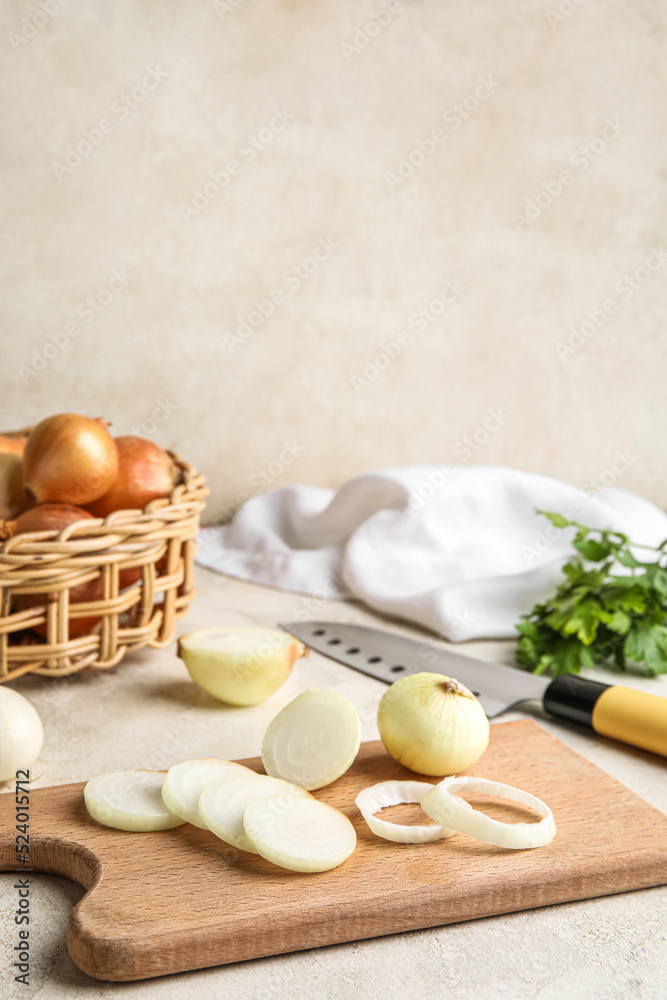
(313, 740)
(302, 835)
(223, 802)
(129, 800)
(392, 793)
(185, 782)
(442, 805)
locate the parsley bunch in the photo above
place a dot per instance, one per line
(597, 616)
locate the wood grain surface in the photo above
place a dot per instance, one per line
(182, 899)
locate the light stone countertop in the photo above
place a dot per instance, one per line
(146, 713)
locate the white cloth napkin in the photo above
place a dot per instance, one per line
(459, 550)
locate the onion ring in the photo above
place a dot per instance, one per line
(444, 807)
(393, 793)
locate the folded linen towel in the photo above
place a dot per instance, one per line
(459, 550)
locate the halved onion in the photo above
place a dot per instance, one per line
(223, 802)
(241, 665)
(185, 782)
(130, 800)
(392, 793)
(442, 805)
(302, 835)
(312, 740)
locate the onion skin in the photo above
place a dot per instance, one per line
(145, 472)
(12, 497)
(432, 724)
(13, 444)
(45, 517)
(70, 459)
(54, 517)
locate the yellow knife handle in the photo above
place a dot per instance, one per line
(633, 717)
(622, 713)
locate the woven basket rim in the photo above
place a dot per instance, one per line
(187, 498)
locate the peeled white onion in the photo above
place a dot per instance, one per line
(240, 665)
(392, 793)
(432, 724)
(130, 800)
(442, 805)
(302, 835)
(313, 740)
(185, 782)
(223, 803)
(21, 734)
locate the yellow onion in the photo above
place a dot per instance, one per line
(69, 458)
(45, 517)
(241, 665)
(55, 517)
(145, 472)
(432, 724)
(13, 443)
(12, 498)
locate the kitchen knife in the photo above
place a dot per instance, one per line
(622, 713)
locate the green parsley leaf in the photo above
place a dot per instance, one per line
(597, 615)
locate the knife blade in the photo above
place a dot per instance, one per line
(626, 714)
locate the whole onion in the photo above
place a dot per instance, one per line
(12, 498)
(432, 724)
(45, 517)
(69, 458)
(21, 734)
(145, 472)
(13, 443)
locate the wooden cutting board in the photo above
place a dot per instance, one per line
(182, 899)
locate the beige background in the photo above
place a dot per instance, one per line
(162, 354)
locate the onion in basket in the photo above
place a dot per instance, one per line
(145, 472)
(55, 517)
(12, 497)
(69, 458)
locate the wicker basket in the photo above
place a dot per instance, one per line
(158, 543)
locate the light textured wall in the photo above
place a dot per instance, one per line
(339, 97)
